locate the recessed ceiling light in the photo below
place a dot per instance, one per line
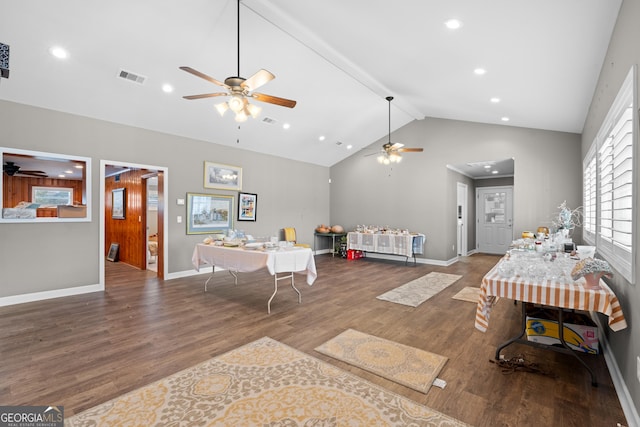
(487, 166)
(68, 171)
(61, 176)
(349, 147)
(505, 119)
(167, 88)
(286, 126)
(78, 167)
(453, 24)
(480, 71)
(59, 52)
(321, 138)
(494, 172)
(495, 100)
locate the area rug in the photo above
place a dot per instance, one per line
(468, 294)
(411, 367)
(419, 290)
(264, 383)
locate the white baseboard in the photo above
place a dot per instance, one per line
(58, 293)
(628, 407)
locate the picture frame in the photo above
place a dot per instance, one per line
(222, 177)
(247, 206)
(112, 255)
(118, 204)
(209, 213)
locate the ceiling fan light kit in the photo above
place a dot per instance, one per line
(391, 152)
(239, 90)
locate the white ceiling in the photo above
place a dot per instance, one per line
(339, 59)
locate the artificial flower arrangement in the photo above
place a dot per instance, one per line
(567, 218)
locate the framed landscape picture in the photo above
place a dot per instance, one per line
(247, 205)
(209, 213)
(118, 205)
(224, 177)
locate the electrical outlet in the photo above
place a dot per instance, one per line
(638, 368)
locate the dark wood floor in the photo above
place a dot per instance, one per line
(82, 350)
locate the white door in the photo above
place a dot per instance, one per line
(461, 218)
(494, 216)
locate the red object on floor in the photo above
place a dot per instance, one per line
(353, 254)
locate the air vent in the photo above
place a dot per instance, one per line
(269, 121)
(338, 142)
(128, 75)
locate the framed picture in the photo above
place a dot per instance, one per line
(118, 205)
(224, 177)
(247, 205)
(113, 252)
(209, 213)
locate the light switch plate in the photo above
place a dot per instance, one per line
(179, 219)
(638, 368)
(180, 202)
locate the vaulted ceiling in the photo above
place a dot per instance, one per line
(339, 59)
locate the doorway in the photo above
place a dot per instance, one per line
(461, 214)
(140, 197)
(494, 216)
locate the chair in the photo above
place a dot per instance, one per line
(290, 236)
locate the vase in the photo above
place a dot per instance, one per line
(592, 280)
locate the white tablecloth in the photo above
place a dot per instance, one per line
(284, 260)
(397, 244)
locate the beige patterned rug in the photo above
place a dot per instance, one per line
(468, 294)
(411, 367)
(264, 383)
(419, 290)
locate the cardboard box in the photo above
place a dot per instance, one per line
(579, 337)
(65, 211)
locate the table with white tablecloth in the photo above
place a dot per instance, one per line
(286, 261)
(407, 244)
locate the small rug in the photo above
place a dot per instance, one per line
(419, 290)
(468, 294)
(411, 367)
(264, 383)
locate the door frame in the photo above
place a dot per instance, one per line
(162, 198)
(462, 229)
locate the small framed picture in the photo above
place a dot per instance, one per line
(118, 205)
(113, 252)
(247, 205)
(209, 213)
(224, 177)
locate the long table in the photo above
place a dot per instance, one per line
(238, 260)
(557, 294)
(407, 245)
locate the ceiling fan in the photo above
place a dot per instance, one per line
(240, 90)
(11, 169)
(391, 152)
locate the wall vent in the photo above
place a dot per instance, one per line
(133, 77)
(269, 121)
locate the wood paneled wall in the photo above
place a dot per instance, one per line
(130, 232)
(16, 189)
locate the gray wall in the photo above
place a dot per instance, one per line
(623, 52)
(51, 256)
(417, 194)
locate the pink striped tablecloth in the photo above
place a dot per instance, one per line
(548, 292)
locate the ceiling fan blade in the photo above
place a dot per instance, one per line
(410, 150)
(258, 79)
(396, 145)
(203, 76)
(274, 100)
(205, 95)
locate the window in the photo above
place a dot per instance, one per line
(608, 179)
(52, 195)
(33, 184)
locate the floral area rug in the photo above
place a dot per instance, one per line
(468, 293)
(409, 366)
(419, 290)
(264, 383)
